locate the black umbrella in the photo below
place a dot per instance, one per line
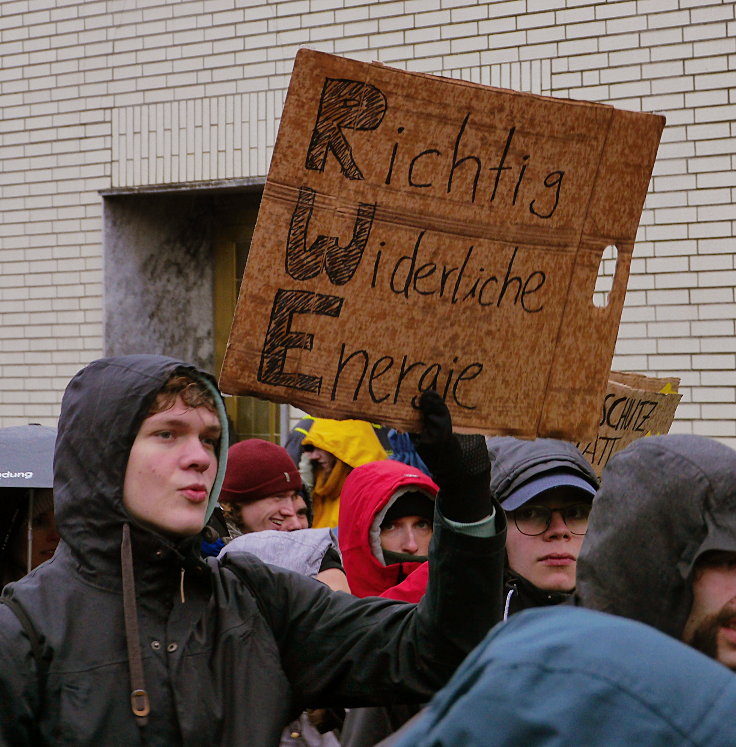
(27, 456)
(26, 461)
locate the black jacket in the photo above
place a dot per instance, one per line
(663, 502)
(522, 594)
(230, 650)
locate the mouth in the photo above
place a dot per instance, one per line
(195, 493)
(728, 628)
(555, 559)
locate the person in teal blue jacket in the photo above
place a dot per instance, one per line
(561, 676)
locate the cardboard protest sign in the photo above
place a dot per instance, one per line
(420, 232)
(634, 406)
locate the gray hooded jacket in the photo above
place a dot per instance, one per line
(230, 649)
(663, 502)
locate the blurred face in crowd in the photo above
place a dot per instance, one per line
(171, 469)
(409, 534)
(44, 536)
(324, 459)
(711, 627)
(549, 558)
(284, 512)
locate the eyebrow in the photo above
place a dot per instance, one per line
(211, 429)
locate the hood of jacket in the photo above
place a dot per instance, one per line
(368, 493)
(352, 441)
(101, 412)
(664, 501)
(515, 461)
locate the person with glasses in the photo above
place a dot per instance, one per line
(546, 487)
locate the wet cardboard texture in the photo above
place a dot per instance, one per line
(421, 232)
(634, 406)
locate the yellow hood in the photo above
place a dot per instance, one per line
(351, 441)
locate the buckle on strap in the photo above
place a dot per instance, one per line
(139, 703)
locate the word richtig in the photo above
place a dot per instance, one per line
(434, 168)
(443, 168)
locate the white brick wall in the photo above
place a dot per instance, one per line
(97, 94)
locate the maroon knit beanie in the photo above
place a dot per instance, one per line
(258, 469)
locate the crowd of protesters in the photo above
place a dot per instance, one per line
(328, 592)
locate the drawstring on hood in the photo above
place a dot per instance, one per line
(508, 603)
(138, 696)
(29, 530)
(523, 594)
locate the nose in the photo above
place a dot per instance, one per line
(408, 542)
(290, 520)
(557, 527)
(286, 507)
(290, 523)
(196, 456)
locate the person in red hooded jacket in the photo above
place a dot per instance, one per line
(385, 525)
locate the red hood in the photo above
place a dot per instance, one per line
(369, 490)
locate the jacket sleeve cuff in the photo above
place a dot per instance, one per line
(484, 528)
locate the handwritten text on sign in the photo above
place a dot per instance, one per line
(634, 406)
(422, 233)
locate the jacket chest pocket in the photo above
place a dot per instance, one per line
(90, 703)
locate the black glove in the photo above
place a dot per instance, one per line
(459, 463)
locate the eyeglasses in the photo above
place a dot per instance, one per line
(533, 520)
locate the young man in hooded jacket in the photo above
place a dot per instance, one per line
(127, 636)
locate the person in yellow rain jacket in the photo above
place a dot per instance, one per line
(332, 448)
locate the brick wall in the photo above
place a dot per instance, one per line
(107, 94)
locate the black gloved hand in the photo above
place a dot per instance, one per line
(459, 463)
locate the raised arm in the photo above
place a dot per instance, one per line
(338, 650)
